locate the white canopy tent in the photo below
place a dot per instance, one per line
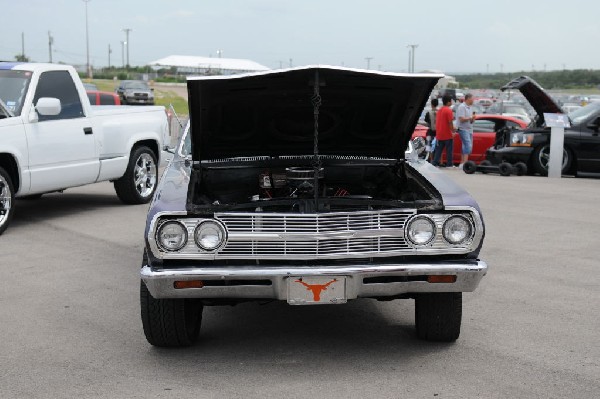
(188, 64)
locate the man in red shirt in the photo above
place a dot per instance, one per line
(444, 132)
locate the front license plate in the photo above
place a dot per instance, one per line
(316, 290)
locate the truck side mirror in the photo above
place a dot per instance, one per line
(48, 106)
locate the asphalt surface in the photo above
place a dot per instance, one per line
(70, 324)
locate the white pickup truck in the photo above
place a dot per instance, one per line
(52, 139)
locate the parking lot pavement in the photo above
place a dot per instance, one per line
(69, 313)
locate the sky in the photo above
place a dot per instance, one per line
(452, 36)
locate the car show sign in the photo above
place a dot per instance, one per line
(557, 124)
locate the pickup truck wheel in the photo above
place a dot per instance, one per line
(438, 316)
(7, 200)
(541, 157)
(138, 184)
(170, 322)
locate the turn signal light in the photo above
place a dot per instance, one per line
(188, 284)
(441, 279)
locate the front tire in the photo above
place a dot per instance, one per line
(138, 184)
(170, 322)
(7, 200)
(541, 157)
(438, 316)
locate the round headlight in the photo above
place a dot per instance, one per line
(421, 230)
(209, 235)
(172, 236)
(457, 230)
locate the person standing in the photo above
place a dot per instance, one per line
(444, 130)
(464, 125)
(430, 119)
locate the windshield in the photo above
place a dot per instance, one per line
(580, 115)
(13, 87)
(136, 85)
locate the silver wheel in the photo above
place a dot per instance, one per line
(544, 157)
(145, 175)
(5, 200)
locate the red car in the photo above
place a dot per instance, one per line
(484, 135)
(103, 98)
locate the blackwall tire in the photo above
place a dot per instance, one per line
(505, 169)
(541, 156)
(438, 316)
(170, 322)
(7, 200)
(138, 184)
(520, 168)
(485, 163)
(470, 167)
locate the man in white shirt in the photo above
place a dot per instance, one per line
(464, 125)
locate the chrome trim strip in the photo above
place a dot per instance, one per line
(160, 282)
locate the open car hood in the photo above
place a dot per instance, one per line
(362, 113)
(537, 97)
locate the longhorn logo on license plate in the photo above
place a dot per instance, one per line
(316, 290)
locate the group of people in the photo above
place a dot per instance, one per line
(444, 125)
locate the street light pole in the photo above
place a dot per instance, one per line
(50, 43)
(123, 53)
(368, 62)
(127, 30)
(87, 40)
(412, 58)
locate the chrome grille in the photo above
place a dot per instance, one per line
(314, 236)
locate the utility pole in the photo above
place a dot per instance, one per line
(501, 68)
(123, 53)
(412, 58)
(291, 63)
(409, 59)
(87, 40)
(109, 53)
(127, 30)
(50, 43)
(23, 45)
(487, 68)
(368, 62)
(280, 64)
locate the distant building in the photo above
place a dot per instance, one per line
(192, 65)
(447, 82)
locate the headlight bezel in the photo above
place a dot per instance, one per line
(410, 237)
(468, 237)
(220, 228)
(520, 139)
(160, 229)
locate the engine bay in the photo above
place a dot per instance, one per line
(306, 188)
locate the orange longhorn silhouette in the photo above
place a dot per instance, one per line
(316, 288)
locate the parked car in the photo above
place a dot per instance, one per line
(294, 185)
(52, 139)
(532, 145)
(485, 128)
(135, 92)
(510, 109)
(103, 98)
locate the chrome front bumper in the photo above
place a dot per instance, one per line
(273, 279)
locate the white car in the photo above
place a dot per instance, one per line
(52, 139)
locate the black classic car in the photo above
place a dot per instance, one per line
(581, 153)
(295, 185)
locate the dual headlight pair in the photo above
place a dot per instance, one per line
(520, 139)
(422, 230)
(173, 235)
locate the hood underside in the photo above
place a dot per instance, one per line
(361, 113)
(535, 94)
